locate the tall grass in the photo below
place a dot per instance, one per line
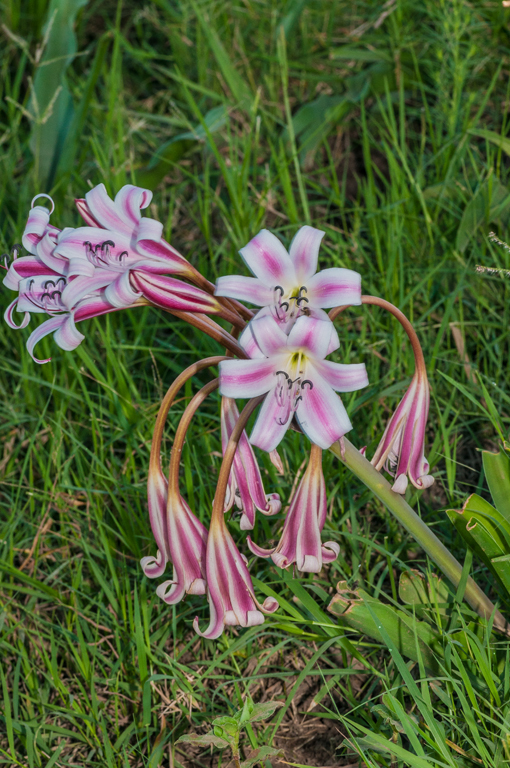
(378, 124)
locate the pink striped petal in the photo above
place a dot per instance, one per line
(39, 333)
(272, 423)
(9, 319)
(46, 252)
(266, 257)
(122, 214)
(247, 378)
(120, 293)
(36, 227)
(304, 252)
(149, 243)
(67, 336)
(311, 334)
(130, 200)
(249, 289)
(321, 414)
(334, 287)
(342, 377)
(169, 293)
(269, 336)
(187, 542)
(157, 495)
(26, 266)
(85, 213)
(248, 343)
(72, 243)
(82, 286)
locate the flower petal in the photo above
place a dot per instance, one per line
(36, 226)
(86, 215)
(342, 377)
(149, 243)
(304, 252)
(26, 266)
(39, 333)
(334, 287)
(130, 200)
(269, 430)
(82, 286)
(67, 336)
(247, 378)
(321, 414)
(120, 293)
(313, 334)
(169, 293)
(121, 215)
(249, 289)
(266, 257)
(157, 495)
(8, 316)
(270, 337)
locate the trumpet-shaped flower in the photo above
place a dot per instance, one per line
(245, 484)
(288, 283)
(297, 378)
(401, 450)
(300, 541)
(229, 586)
(181, 539)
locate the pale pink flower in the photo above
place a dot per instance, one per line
(232, 601)
(300, 542)
(297, 378)
(288, 283)
(245, 486)
(402, 447)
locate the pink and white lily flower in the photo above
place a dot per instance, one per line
(288, 283)
(230, 592)
(245, 486)
(297, 378)
(402, 447)
(300, 541)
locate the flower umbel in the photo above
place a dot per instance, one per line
(297, 378)
(300, 541)
(288, 283)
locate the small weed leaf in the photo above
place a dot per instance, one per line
(205, 740)
(264, 711)
(261, 754)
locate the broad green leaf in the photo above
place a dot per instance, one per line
(501, 566)
(226, 728)
(497, 473)
(480, 511)
(357, 610)
(51, 103)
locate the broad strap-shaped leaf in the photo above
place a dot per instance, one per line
(497, 471)
(206, 740)
(421, 592)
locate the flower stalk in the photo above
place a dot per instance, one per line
(425, 537)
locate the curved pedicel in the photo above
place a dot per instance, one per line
(401, 450)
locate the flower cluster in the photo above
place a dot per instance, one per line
(277, 359)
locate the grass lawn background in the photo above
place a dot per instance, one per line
(378, 123)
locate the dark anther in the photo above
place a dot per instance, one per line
(284, 373)
(279, 288)
(121, 255)
(284, 304)
(107, 243)
(296, 401)
(307, 381)
(48, 283)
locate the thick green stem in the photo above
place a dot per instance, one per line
(428, 541)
